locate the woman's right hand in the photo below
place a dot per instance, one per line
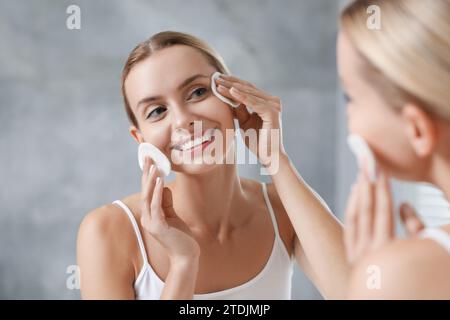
(160, 220)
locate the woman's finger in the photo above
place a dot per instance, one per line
(350, 232)
(236, 79)
(260, 105)
(410, 219)
(156, 202)
(148, 163)
(384, 218)
(365, 213)
(225, 91)
(248, 89)
(148, 189)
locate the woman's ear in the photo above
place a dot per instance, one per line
(136, 134)
(421, 129)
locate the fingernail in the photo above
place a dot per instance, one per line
(152, 168)
(158, 180)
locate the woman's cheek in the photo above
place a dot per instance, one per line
(159, 136)
(214, 109)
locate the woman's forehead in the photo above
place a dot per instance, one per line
(164, 71)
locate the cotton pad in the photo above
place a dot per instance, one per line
(160, 160)
(218, 95)
(362, 151)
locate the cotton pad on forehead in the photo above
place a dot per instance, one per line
(362, 151)
(161, 161)
(218, 95)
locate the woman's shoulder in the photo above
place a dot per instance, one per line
(411, 268)
(108, 218)
(108, 229)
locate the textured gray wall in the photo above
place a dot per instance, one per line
(64, 142)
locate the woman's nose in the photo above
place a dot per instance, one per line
(183, 119)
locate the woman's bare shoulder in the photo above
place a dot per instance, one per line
(411, 268)
(109, 218)
(106, 254)
(107, 229)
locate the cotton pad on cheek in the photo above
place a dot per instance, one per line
(160, 160)
(362, 151)
(218, 95)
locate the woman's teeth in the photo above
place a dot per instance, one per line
(190, 144)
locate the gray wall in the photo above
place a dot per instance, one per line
(64, 142)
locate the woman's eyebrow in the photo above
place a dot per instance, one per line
(147, 100)
(190, 79)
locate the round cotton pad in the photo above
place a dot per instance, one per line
(218, 95)
(362, 151)
(161, 161)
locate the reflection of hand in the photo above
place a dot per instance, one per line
(369, 216)
(160, 220)
(266, 118)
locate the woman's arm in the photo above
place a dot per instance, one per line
(106, 269)
(322, 249)
(319, 248)
(181, 280)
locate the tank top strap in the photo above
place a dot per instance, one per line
(269, 207)
(135, 227)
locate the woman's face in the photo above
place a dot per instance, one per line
(384, 128)
(170, 94)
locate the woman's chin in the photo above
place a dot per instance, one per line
(196, 168)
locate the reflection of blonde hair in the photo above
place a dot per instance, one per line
(409, 57)
(160, 41)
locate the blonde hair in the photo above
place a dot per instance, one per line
(408, 59)
(158, 42)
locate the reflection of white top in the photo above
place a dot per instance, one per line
(272, 282)
(431, 204)
(438, 235)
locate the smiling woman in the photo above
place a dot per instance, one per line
(186, 238)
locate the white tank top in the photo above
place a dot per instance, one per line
(271, 283)
(438, 235)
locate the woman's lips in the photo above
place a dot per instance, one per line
(193, 144)
(200, 147)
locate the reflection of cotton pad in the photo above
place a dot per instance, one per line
(161, 161)
(218, 95)
(362, 151)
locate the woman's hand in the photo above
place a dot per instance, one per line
(160, 220)
(265, 120)
(369, 217)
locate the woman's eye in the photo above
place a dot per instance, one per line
(156, 113)
(198, 93)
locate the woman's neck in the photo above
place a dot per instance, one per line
(206, 202)
(440, 176)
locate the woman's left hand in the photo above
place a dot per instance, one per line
(369, 222)
(265, 118)
(369, 218)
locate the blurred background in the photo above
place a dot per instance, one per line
(64, 142)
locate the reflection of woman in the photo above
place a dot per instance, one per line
(398, 81)
(209, 232)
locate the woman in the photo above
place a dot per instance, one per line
(397, 81)
(209, 234)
